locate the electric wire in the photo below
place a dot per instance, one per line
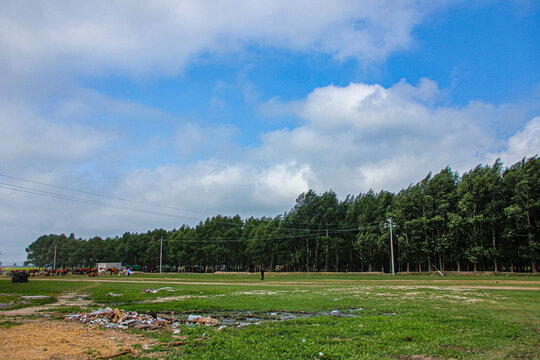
(106, 196)
(243, 224)
(144, 203)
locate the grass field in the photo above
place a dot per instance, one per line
(336, 316)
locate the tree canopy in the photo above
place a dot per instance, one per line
(487, 219)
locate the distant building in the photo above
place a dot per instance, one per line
(104, 266)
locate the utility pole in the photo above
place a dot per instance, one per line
(160, 254)
(391, 246)
(54, 263)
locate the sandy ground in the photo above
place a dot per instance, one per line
(62, 300)
(59, 339)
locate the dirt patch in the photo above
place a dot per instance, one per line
(68, 300)
(58, 339)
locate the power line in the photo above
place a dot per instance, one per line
(85, 201)
(106, 196)
(60, 196)
(139, 202)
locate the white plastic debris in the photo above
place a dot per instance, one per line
(153, 291)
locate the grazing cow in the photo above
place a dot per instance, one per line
(33, 272)
(113, 271)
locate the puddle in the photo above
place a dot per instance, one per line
(244, 318)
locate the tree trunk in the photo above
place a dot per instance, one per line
(350, 265)
(327, 257)
(495, 265)
(316, 263)
(458, 266)
(337, 259)
(533, 266)
(307, 254)
(408, 267)
(475, 267)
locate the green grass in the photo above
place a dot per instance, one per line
(401, 316)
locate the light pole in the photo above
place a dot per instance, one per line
(160, 253)
(391, 245)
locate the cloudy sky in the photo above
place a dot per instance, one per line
(121, 116)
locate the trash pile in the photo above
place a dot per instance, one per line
(120, 319)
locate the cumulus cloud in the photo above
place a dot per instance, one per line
(351, 139)
(365, 136)
(163, 36)
(29, 140)
(525, 143)
(194, 141)
(348, 138)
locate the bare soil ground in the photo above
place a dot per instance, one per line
(62, 300)
(60, 339)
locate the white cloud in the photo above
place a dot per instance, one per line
(193, 141)
(164, 36)
(352, 138)
(365, 136)
(34, 141)
(525, 143)
(279, 184)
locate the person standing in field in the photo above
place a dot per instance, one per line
(262, 273)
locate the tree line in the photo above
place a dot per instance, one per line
(484, 220)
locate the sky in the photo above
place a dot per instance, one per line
(122, 116)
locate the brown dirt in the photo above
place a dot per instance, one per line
(43, 339)
(69, 300)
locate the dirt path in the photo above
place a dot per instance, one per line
(58, 339)
(69, 300)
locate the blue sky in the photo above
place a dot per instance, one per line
(219, 109)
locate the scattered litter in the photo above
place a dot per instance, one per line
(120, 319)
(321, 354)
(114, 295)
(360, 325)
(153, 291)
(303, 340)
(336, 299)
